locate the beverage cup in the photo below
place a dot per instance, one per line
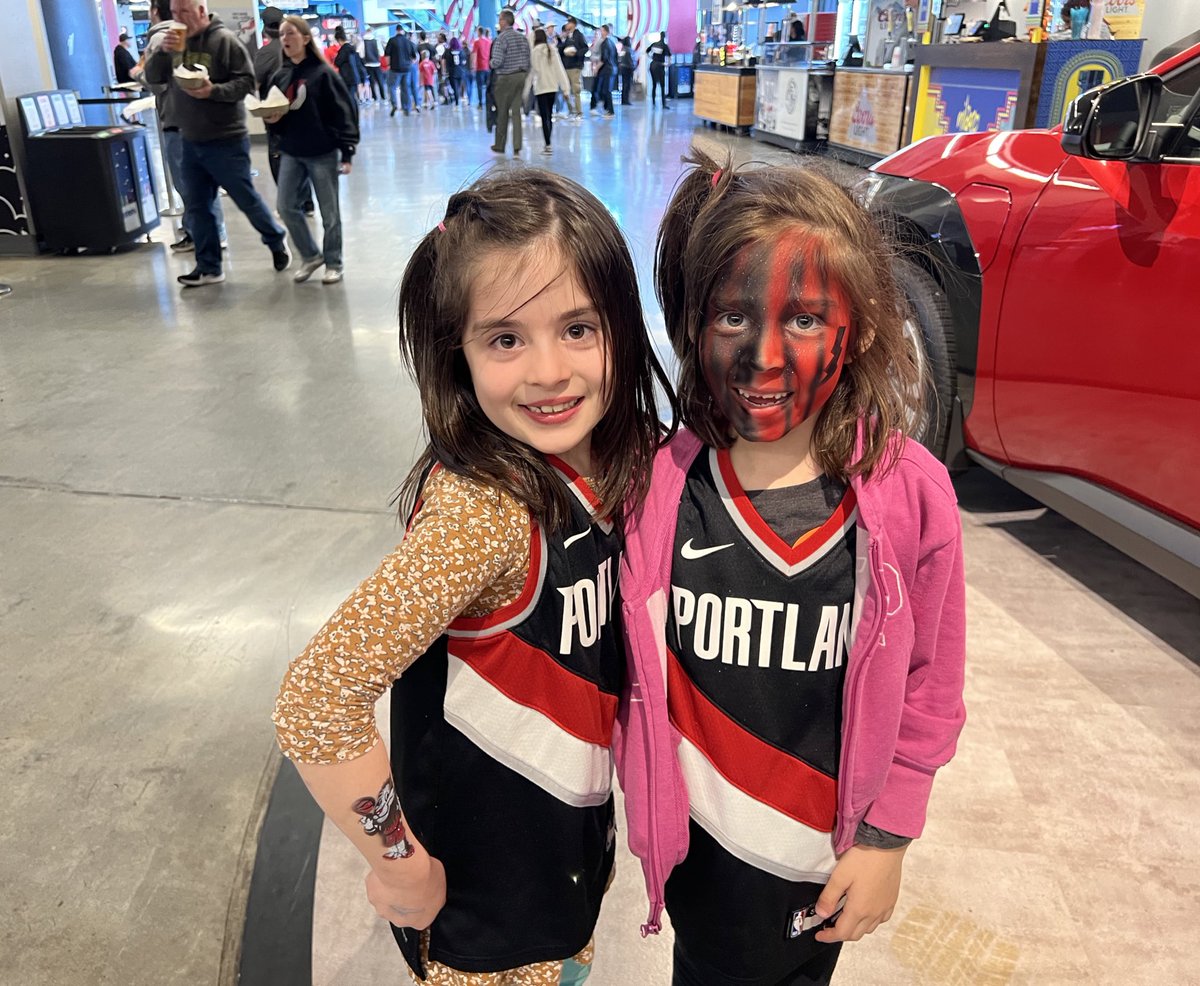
(178, 34)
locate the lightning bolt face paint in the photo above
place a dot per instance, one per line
(775, 338)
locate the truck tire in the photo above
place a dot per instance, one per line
(930, 325)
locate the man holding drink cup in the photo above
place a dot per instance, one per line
(216, 143)
(572, 48)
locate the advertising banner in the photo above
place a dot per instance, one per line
(868, 111)
(1124, 18)
(965, 100)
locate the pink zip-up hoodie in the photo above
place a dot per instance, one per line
(902, 704)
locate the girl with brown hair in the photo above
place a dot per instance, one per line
(792, 587)
(494, 621)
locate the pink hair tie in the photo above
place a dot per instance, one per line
(441, 227)
(716, 177)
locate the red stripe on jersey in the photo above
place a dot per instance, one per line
(579, 484)
(519, 605)
(757, 768)
(809, 543)
(532, 678)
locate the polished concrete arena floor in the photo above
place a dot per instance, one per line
(191, 481)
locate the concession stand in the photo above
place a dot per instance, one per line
(794, 94)
(868, 115)
(724, 94)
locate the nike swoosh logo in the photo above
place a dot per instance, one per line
(693, 553)
(576, 537)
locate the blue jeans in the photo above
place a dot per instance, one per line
(406, 79)
(409, 95)
(207, 167)
(482, 77)
(604, 86)
(294, 175)
(173, 145)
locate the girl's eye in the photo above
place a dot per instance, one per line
(731, 320)
(806, 323)
(579, 331)
(505, 341)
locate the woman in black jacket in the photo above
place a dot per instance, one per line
(317, 137)
(349, 64)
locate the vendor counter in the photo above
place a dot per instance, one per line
(793, 95)
(724, 94)
(869, 110)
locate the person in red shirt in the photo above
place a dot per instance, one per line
(481, 63)
(428, 73)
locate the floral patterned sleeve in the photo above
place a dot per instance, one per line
(467, 551)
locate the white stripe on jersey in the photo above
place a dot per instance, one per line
(755, 833)
(572, 770)
(761, 546)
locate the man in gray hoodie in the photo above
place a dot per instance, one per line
(160, 16)
(216, 144)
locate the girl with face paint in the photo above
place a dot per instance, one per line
(792, 586)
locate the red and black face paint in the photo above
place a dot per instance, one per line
(774, 339)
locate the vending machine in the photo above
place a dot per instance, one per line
(91, 188)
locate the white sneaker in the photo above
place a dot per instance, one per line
(547, 149)
(332, 275)
(308, 268)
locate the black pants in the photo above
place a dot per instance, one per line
(545, 104)
(816, 971)
(626, 86)
(455, 82)
(658, 82)
(375, 77)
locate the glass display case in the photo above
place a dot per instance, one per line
(794, 93)
(797, 54)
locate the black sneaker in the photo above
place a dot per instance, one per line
(281, 258)
(184, 244)
(197, 278)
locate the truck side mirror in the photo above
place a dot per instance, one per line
(1110, 123)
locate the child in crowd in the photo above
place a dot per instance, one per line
(489, 830)
(428, 72)
(793, 587)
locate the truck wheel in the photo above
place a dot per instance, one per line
(930, 327)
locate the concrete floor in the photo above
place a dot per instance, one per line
(190, 482)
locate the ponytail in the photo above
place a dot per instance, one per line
(698, 190)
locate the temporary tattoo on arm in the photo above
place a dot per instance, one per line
(381, 816)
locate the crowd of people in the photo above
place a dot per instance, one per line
(325, 82)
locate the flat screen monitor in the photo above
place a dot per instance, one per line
(954, 23)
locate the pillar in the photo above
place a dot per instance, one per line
(79, 52)
(487, 14)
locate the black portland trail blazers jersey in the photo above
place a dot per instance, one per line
(501, 738)
(757, 642)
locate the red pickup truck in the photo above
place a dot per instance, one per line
(1050, 276)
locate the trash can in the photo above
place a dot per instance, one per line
(680, 80)
(90, 187)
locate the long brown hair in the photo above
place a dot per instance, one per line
(301, 25)
(710, 219)
(514, 211)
